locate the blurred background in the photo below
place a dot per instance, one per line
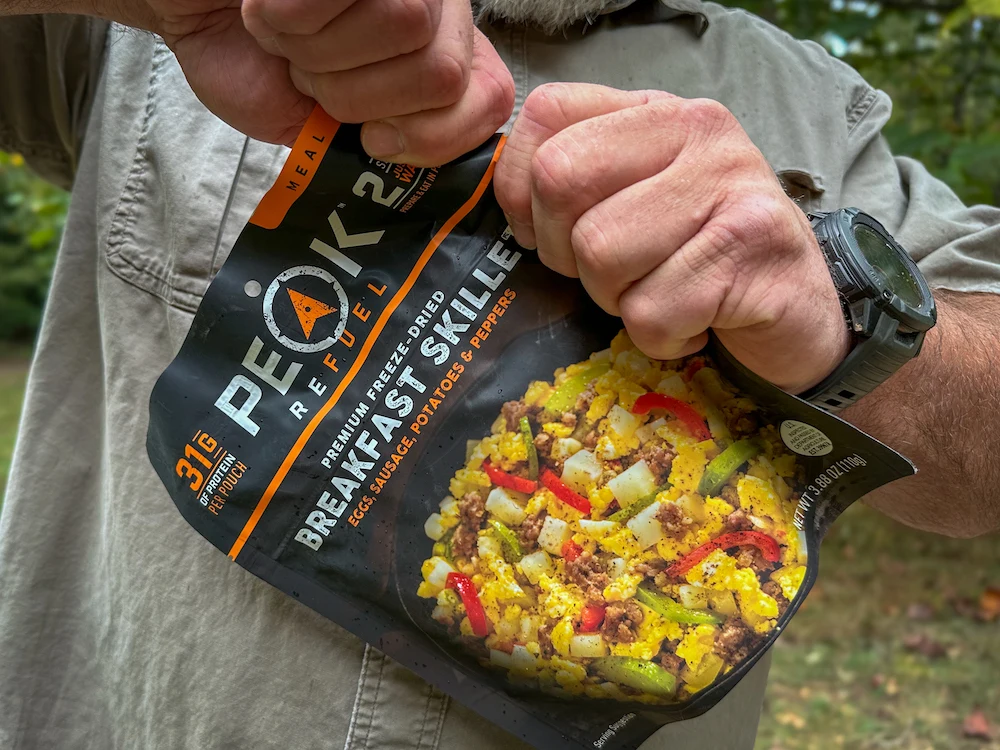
(898, 646)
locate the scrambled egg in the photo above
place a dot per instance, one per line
(536, 602)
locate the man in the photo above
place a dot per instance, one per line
(119, 626)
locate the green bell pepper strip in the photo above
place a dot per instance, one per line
(666, 607)
(636, 673)
(529, 446)
(623, 515)
(509, 542)
(564, 397)
(442, 547)
(724, 465)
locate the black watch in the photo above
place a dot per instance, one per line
(886, 301)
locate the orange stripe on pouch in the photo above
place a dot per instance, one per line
(397, 298)
(298, 170)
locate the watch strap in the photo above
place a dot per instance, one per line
(868, 365)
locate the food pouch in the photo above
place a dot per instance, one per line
(391, 412)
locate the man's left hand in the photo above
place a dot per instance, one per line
(674, 221)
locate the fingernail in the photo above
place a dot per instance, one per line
(381, 140)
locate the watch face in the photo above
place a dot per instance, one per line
(886, 261)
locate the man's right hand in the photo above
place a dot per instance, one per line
(426, 82)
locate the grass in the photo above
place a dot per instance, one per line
(843, 676)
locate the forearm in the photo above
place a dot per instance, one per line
(942, 410)
(136, 13)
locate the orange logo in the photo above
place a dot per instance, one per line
(308, 310)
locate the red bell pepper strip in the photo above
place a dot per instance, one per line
(591, 618)
(684, 412)
(571, 550)
(564, 493)
(767, 545)
(692, 367)
(501, 478)
(470, 600)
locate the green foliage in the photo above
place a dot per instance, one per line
(31, 222)
(939, 60)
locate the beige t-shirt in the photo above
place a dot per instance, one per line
(120, 627)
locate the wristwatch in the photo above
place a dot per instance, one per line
(886, 300)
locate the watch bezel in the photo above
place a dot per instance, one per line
(861, 285)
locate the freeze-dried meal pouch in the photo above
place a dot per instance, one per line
(390, 411)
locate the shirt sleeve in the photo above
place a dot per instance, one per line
(956, 246)
(49, 67)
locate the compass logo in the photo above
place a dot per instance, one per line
(304, 330)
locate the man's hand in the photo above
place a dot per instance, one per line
(427, 84)
(674, 221)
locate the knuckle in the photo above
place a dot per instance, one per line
(417, 19)
(643, 318)
(447, 77)
(289, 16)
(510, 186)
(594, 247)
(709, 116)
(500, 96)
(339, 98)
(552, 174)
(544, 104)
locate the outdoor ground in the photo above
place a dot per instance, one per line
(897, 647)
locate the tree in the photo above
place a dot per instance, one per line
(31, 221)
(939, 60)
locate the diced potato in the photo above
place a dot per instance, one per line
(622, 422)
(580, 470)
(535, 565)
(554, 532)
(648, 431)
(675, 386)
(636, 482)
(597, 528)
(616, 567)
(433, 527)
(506, 505)
(722, 602)
(692, 597)
(587, 645)
(646, 527)
(435, 571)
(692, 507)
(500, 659)
(565, 447)
(521, 658)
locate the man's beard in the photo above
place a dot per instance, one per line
(549, 15)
